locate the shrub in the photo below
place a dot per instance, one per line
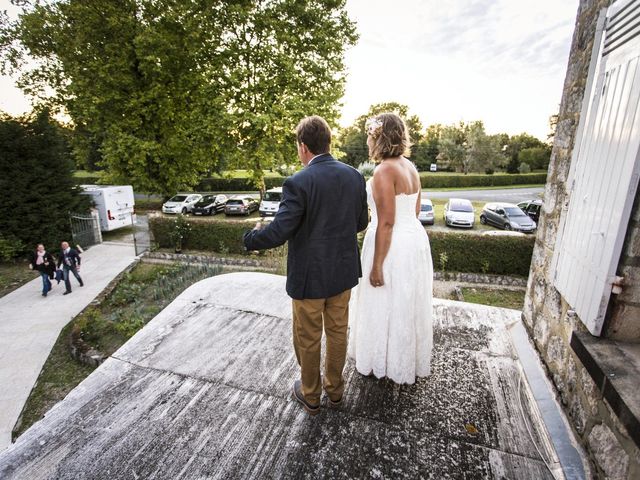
(432, 182)
(366, 169)
(215, 235)
(524, 168)
(10, 247)
(453, 252)
(243, 184)
(502, 255)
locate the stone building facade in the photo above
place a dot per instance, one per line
(604, 425)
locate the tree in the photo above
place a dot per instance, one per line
(37, 189)
(166, 90)
(353, 139)
(536, 157)
(482, 150)
(452, 147)
(515, 145)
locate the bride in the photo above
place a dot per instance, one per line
(390, 320)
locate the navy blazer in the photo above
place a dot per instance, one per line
(73, 256)
(323, 207)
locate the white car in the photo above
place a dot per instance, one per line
(458, 212)
(426, 212)
(181, 203)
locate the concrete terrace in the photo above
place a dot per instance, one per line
(203, 391)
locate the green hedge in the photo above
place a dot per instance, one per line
(475, 180)
(471, 253)
(215, 184)
(465, 252)
(428, 180)
(214, 235)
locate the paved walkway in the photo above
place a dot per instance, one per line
(203, 391)
(30, 325)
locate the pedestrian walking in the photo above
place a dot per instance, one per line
(69, 259)
(44, 263)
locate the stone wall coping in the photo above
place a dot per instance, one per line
(615, 368)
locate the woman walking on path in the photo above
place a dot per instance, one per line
(44, 263)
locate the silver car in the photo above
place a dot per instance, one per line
(508, 217)
(459, 212)
(181, 203)
(426, 212)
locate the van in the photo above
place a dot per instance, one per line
(271, 202)
(115, 204)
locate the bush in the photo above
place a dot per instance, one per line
(452, 252)
(501, 255)
(10, 247)
(216, 235)
(524, 168)
(245, 184)
(476, 180)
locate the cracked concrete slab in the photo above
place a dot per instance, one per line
(203, 391)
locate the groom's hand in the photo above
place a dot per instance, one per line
(376, 277)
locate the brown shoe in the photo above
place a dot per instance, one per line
(298, 397)
(336, 404)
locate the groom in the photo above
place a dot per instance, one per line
(323, 207)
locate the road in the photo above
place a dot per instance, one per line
(510, 195)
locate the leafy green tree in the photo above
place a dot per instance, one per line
(167, 90)
(515, 145)
(536, 157)
(453, 147)
(37, 189)
(482, 150)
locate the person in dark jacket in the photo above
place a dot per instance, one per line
(323, 208)
(44, 263)
(69, 259)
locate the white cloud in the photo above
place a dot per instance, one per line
(501, 61)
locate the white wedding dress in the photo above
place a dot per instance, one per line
(390, 327)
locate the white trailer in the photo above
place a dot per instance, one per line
(115, 204)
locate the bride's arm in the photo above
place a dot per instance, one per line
(384, 195)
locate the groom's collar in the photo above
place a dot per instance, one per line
(323, 157)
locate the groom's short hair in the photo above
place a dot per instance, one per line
(315, 133)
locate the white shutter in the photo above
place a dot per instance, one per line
(604, 171)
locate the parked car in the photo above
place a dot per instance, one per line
(210, 205)
(241, 206)
(508, 217)
(181, 203)
(458, 212)
(426, 212)
(532, 208)
(271, 202)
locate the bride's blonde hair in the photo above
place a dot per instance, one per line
(390, 136)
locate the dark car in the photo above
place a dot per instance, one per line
(210, 205)
(507, 216)
(241, 206)
(532, 208)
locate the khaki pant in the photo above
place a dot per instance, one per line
(308, 317)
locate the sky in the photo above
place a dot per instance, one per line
(499, 61)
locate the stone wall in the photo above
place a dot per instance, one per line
(548, 317)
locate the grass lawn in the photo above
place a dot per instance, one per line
(139, 296)
(14, 274)
(494, 297)
(85, 173)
